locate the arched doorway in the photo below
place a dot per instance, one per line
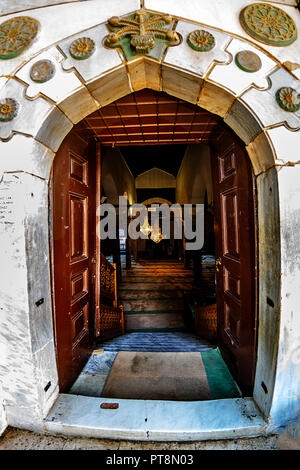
(159, 119)
(52, 117)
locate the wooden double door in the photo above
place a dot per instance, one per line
(76, 254)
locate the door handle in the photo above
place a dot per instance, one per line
(218, 264)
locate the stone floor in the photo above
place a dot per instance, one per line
(16, 439)
(93, 377)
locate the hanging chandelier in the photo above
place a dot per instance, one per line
(156, 235)
(153, 234)
(145, 228)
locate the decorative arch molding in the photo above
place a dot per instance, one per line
(46, 114)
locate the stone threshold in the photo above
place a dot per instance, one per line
(154, 420)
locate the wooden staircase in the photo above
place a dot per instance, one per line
(152, 295)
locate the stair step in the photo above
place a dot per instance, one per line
(144, 294)
(142, 305)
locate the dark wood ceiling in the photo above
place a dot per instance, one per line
(148, 117)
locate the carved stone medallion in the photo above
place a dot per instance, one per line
(42, 71)
(82, 48)
(8, 109)
(201, 40)
(248, 61)
(268, 24)
(288, 99)
(140, 33)
(16, 35)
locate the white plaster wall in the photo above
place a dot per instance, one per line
(13, 6)
(28, 358)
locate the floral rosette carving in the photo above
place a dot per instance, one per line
(268, 24)
(82, 48)
(288, 99)
(8, 109)
(16, 34)
(201, 40)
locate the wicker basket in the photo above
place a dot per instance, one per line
(206, 321)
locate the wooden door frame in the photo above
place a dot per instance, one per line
(97, 292)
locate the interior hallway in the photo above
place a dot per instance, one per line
(151, 293)
(157, 358)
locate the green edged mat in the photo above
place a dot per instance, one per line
(221, 383)
(190, 376)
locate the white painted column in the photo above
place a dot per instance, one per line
(28, 365)
(286, 397)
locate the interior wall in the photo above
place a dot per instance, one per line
(194, 176)
(155, 178)
(117, 178)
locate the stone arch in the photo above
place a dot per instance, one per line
(27, 178)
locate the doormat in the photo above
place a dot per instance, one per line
(176, 376)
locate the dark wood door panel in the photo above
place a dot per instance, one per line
(80, 324)
(227, 164)
(79, 169)
(79, 222)
(232, 281)
(79, 284)
(230, 229)
(232, 320)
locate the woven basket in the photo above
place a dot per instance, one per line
(206, 321)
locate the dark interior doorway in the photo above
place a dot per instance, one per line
(137, 124)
